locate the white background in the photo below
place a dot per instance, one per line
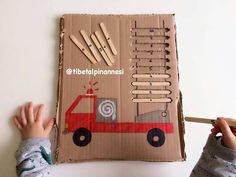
(206, 36)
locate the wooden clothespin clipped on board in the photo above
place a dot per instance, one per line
(230, 121)
(83, 50)
(108, 38)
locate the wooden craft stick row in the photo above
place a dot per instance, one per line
(164, 76)
(100, 49)
(108, 38)
(151, 100)
(104, 46)
(83, 50)
(151, 83)
(230, 121)
(155, 92)
(90, 45)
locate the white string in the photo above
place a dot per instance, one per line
(107, 108)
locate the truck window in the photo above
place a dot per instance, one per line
(85, 105)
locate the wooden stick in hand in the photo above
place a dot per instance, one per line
(230, 121)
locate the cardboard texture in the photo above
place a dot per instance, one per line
(118, 95)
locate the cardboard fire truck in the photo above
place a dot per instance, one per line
(135, 111)
(83, 125)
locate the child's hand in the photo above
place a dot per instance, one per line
(30, 123)
(229, 133)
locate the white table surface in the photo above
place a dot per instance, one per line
(206, 34)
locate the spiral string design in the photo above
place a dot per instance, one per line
(107, 108)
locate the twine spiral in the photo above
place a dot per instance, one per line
(107, 108)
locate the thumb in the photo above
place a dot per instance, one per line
(49, 126)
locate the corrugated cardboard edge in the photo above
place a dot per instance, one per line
(61, 51)
(181, 126)
(61, 55)
(180, 108)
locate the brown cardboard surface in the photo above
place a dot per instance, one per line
(145, 44)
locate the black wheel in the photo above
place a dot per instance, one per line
(156, 137)
(82, 137)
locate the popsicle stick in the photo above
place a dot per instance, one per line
(154, 92)
(83, 50)
(230, 121)
(104, 46)
(151, 83)
(108, 38)
(100, 49)
(164, 76)
(90, 45)
(151, 100)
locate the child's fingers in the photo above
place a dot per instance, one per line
(23, 116)
(215, 130)
(49, 126)
(30, 112)
(224, 128)
(39, 115)
(233, 129)
(17, 123)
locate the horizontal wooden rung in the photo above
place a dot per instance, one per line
(150, 30)
(146, 42)
(149, 55)
(141, 40)
(150, 67)
(155, 92)
(152, 52)
(151, 83)
(150, 36)
(151, 100)
(159, 76)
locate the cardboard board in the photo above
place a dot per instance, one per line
(118, 95)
